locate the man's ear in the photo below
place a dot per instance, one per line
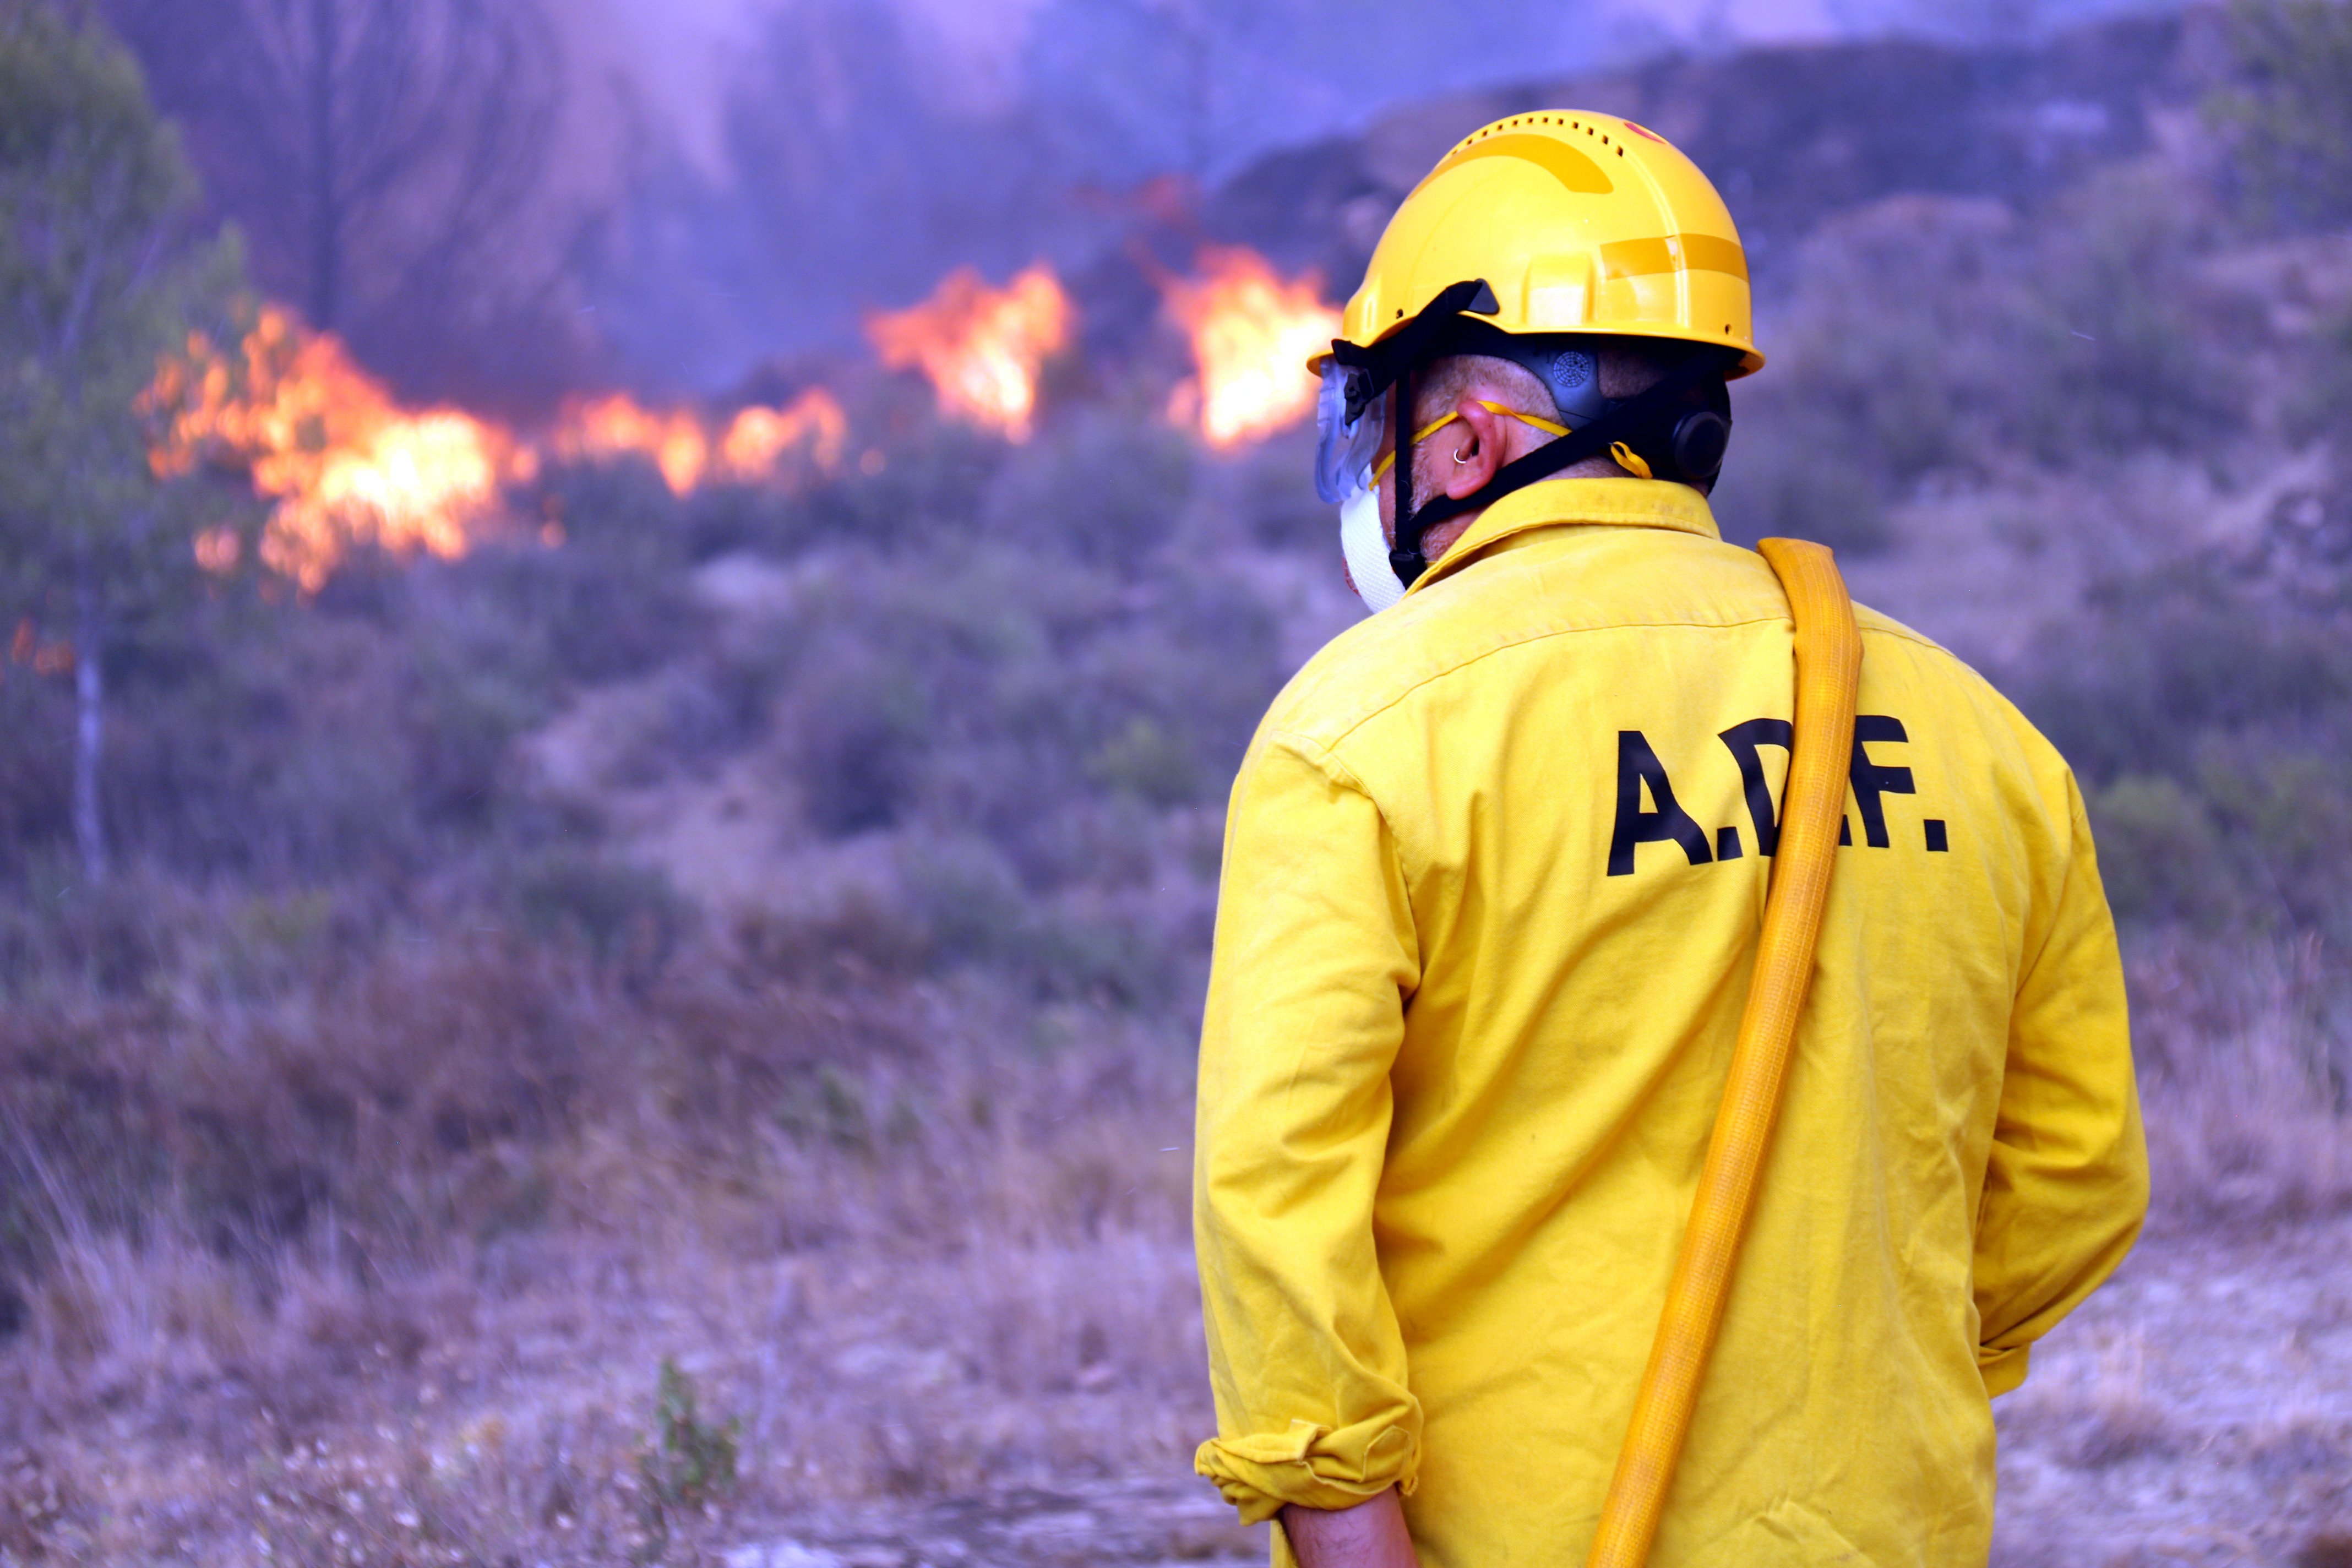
(1474, 447)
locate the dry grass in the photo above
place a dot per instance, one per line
(2194, 1411)
(2245, 1056)
(899, 1256)
(479, 1197)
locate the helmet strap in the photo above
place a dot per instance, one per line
(1405, 558)
(1623, 423)
(1447, 324)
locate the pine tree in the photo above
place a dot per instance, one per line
(98, 271)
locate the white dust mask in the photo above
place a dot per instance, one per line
(1367, 549)
(1360, 540)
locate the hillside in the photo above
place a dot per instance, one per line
(1791, 136)
(663, 1031)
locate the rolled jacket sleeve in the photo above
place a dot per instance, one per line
(2066, 1183)
(1315, 958)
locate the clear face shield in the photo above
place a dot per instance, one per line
(1345, 448)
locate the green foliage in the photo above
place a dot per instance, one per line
(2160, 854)
(1930, 337)
(2321, 395)
(1789, 479)
(1101, 488)
(2252, 840)
(373, 734)
(828, 1105)
(1146, 763)
(2291, 813)
(688, 1464)
(97, 275)
(90, 183)
(627, 916)
(2208, 713)
(98, 278)
(2287, 109)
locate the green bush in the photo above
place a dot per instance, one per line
(2292, 812)
(1102, 490)
(2160, 854)
(2286, 106)
(688, 1462)
(1933, 335)
(625, 916)
(2207, 709)
(1789, 479)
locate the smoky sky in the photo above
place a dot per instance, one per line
(795, 164)
(676, 50)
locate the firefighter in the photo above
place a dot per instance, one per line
(1494, 872)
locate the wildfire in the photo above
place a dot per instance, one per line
(758, 439)
(616, 425)
(346, 465)
(753, 446)
(323, 438)
(1252, 333)
(981, 347)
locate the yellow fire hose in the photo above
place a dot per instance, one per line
(1829, 671)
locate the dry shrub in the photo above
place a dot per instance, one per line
(419, 1094)
(907, 1240)
(2120, 1426)
(2099, 1415)
(2245, 1064)
(33, 1497)
(2302, 1446)
(447, 1209)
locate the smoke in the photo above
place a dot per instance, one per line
(728, 181)
(1341, 62)
(802, 164)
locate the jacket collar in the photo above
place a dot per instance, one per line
(1556, 503)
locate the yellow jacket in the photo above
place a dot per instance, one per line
(1492, 888)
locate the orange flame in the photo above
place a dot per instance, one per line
(346, 465)
(1252, 333)
(616, 425)
(758, 439)
(981, 347)
(753, 446)
(324, 439)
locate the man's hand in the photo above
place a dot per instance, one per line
(1369, 1535)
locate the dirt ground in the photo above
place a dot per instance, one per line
(1155, 1521)
(998, 1403)
(2198, 1411)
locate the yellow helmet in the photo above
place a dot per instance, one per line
(1579, 222)
(1529, 234)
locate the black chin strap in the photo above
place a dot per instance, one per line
(1628, 419)
(1404, 553)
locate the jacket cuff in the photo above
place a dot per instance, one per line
(2002, 1370)
(1262, 1473)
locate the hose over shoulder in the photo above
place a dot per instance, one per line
(1828, 678)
